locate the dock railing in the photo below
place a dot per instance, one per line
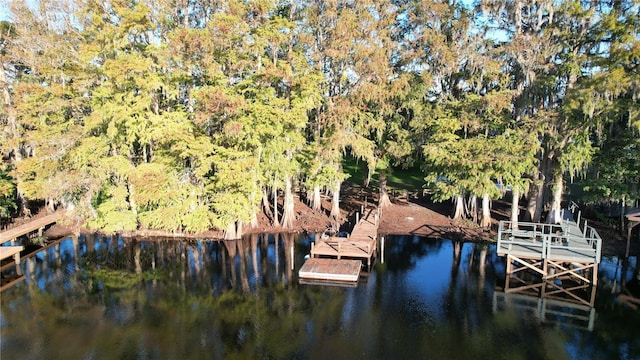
(579, 225)
(550, 239)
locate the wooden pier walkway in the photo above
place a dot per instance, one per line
(33, 225)
(12, 234)
(331, 269)
(551, 251)
(334, 258)
(9, 251)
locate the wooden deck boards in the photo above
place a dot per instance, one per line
(30, 226)
(574, 250)
(361, 244)
(551, 251)
(564, 242)
(328, 263)
(330, 269)
(366, 229)
(344, 247)
(9, 251)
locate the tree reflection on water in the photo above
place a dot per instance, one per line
(102, 297)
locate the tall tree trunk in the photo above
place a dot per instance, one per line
(254, 220)
(316, 200)
(265, 203)
(230, 233)
(472, 208)
(239, 231)
(130, 197)
(335, 201)
(535, 197)
(556, 202)
(384, 201)
(23, 201)
(459, 207)
(288, 213)
(275, 206)
(486, 211)
(515, 209)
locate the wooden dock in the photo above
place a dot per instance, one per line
(5, 253)
(335, 258)
(552, 251)
(339, 247)
(361, 243)
(10, 235)
(9, 251)
(331, 269)
(33, 225)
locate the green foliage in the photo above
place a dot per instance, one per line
(112, 211)
(400, 178)
(7, 194)
(468, 148)
(181, 205)
(233, 188)
(140, 116)
(617, 176)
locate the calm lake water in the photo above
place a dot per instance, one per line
(109, 298)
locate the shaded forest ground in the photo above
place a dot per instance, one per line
(408, 214)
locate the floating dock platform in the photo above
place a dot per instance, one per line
(321, 269)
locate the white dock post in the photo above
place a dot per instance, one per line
(584, 231)
(382, 250)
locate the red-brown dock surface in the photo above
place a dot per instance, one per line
(329, 256)
(331, 269)
(338, 247)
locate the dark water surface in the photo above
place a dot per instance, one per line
(109, 298)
